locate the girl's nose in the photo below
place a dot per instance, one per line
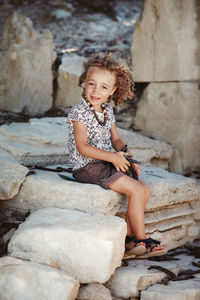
(96, 89)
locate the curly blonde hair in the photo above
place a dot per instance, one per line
(124, 81)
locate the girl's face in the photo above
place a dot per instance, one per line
(99, 85)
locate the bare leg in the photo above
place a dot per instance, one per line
(146, 198)
(146, 192)
(135, 191)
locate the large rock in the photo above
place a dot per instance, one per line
(88, 247)
(165, 113)
(12, 176)
(68, 92)
(40, 141)
(26, 58)
(166, 42)
(129, 281)
(172, 211)
(184, 290)
(138, 279)
(30, 281)
(44, 141)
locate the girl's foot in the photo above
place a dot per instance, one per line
(152, 248)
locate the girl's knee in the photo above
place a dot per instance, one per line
(137, 191)
(145, 187)
(146, 190)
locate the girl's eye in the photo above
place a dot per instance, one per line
(91, 83)
(104, 87)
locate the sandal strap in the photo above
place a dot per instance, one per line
(128, 239)
(148, 242)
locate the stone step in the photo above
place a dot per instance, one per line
(44, 142)
(20, 279)
(45, 189)
(137, 278)
(130, 280)
(88, 247)
(185, 290)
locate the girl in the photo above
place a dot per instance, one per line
(92, 133)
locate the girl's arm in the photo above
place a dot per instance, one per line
(117, 143)
(80, 135)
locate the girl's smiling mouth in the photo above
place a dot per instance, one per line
(94, 98)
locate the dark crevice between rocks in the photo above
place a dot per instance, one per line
(9, 220)
(55, 68)
(129, 108)
(7, 117)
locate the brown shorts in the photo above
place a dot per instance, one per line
(100, 172)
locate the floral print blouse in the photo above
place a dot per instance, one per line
(97, 136)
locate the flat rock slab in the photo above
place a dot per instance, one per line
(47, 189)
(44, 141)
(135, 278)
(129, 281)
(88, 247)
(30, 281)
(185, 290)
(12, 175)
(39, 141)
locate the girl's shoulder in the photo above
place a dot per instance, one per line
(77, 107)
(78, 112)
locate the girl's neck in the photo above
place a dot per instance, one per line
(98, 108)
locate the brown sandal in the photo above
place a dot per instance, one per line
(152, 245)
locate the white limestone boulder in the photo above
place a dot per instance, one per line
(129, 281)
(165, 113)
(26, 58)
(166, 42)
(94, 291)
(137, 278)
(39, 141)
(68, 92)
(26, 280)
(88, 247)
(12, 176)
(184, 290)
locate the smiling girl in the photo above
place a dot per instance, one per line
(93, 133)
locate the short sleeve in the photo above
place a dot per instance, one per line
(76, 114)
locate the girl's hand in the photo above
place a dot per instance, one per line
(136, 168)
(128, 152)
(120, 161)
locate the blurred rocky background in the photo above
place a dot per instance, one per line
(43, 45)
